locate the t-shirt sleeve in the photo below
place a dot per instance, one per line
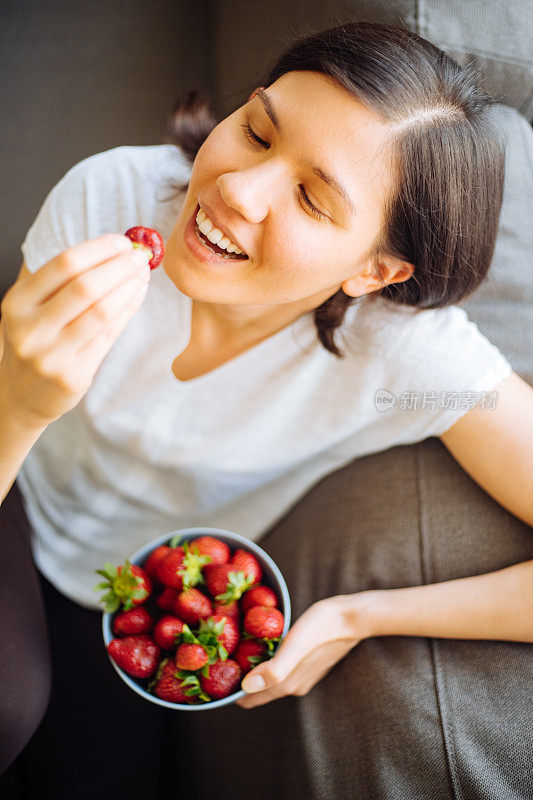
(440, 368)
(61, 221)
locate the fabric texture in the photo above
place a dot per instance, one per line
(144, 453)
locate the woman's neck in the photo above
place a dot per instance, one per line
(217, 323)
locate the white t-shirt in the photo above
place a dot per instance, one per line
(144, 453)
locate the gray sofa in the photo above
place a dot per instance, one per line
(425, 719)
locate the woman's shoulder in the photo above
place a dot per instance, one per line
(435, 345)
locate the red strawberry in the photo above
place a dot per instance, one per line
(133, 622)
(230, 609)
(127, 584)
(170, 569)
(167, 598)
(192, 606)
(225, 582)
(149, 239)
(166, 631)
(191, 656)
(217, 550)
(258, 596)
(136, 655)
(224, 679)
(248, 563)
(166, 686)
(230, 635)
(264, 622)
(249, 653)
(150, 565)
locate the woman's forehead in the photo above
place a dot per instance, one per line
(331, 129)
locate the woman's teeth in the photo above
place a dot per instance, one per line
(215, 235)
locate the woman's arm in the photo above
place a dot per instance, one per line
(495, 447)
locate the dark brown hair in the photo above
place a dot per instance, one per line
(449, 162)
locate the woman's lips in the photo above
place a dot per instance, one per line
(199, 250)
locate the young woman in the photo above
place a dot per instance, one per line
(361, 183)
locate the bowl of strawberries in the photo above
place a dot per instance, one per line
(190, 613)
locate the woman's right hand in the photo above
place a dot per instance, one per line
(59, 323)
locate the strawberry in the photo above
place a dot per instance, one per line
(166, 685)
(264, 622)
(170, 569)
(192, 606)
(127, 584)
(249, 653)
(150, 565)
(149, 239)
(230, 609)
(258, 596)
(224, 678)
(136, 655)
(167, 598)
(217, 550)
(229, 638)
(133, 622)
(167, 628)
(225, 583)
(248, 563)
(190, 656)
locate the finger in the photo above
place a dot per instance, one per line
(89, 288)
(94, 351)
(69, 264)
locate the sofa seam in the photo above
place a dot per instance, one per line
(438, 682)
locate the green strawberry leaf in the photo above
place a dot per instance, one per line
(223, 653)
(176, 540)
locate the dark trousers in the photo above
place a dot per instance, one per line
(399, 718)
(70, 728)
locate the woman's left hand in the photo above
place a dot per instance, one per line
(323, 635)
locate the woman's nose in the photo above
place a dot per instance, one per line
(251, 191)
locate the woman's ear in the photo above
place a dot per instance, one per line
(392, 270)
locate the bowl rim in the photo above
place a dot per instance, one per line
(194, 533)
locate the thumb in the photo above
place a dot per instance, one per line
(257, 680)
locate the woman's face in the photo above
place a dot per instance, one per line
(257, 191)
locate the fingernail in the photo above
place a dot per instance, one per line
(254, 683)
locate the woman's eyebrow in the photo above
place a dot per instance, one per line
(325, 176)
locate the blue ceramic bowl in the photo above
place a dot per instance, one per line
(271, 577)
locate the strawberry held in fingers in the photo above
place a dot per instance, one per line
(127, 584)
(133, 622)
(136, 655)
(149, 239)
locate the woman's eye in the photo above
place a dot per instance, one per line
(257, 141)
